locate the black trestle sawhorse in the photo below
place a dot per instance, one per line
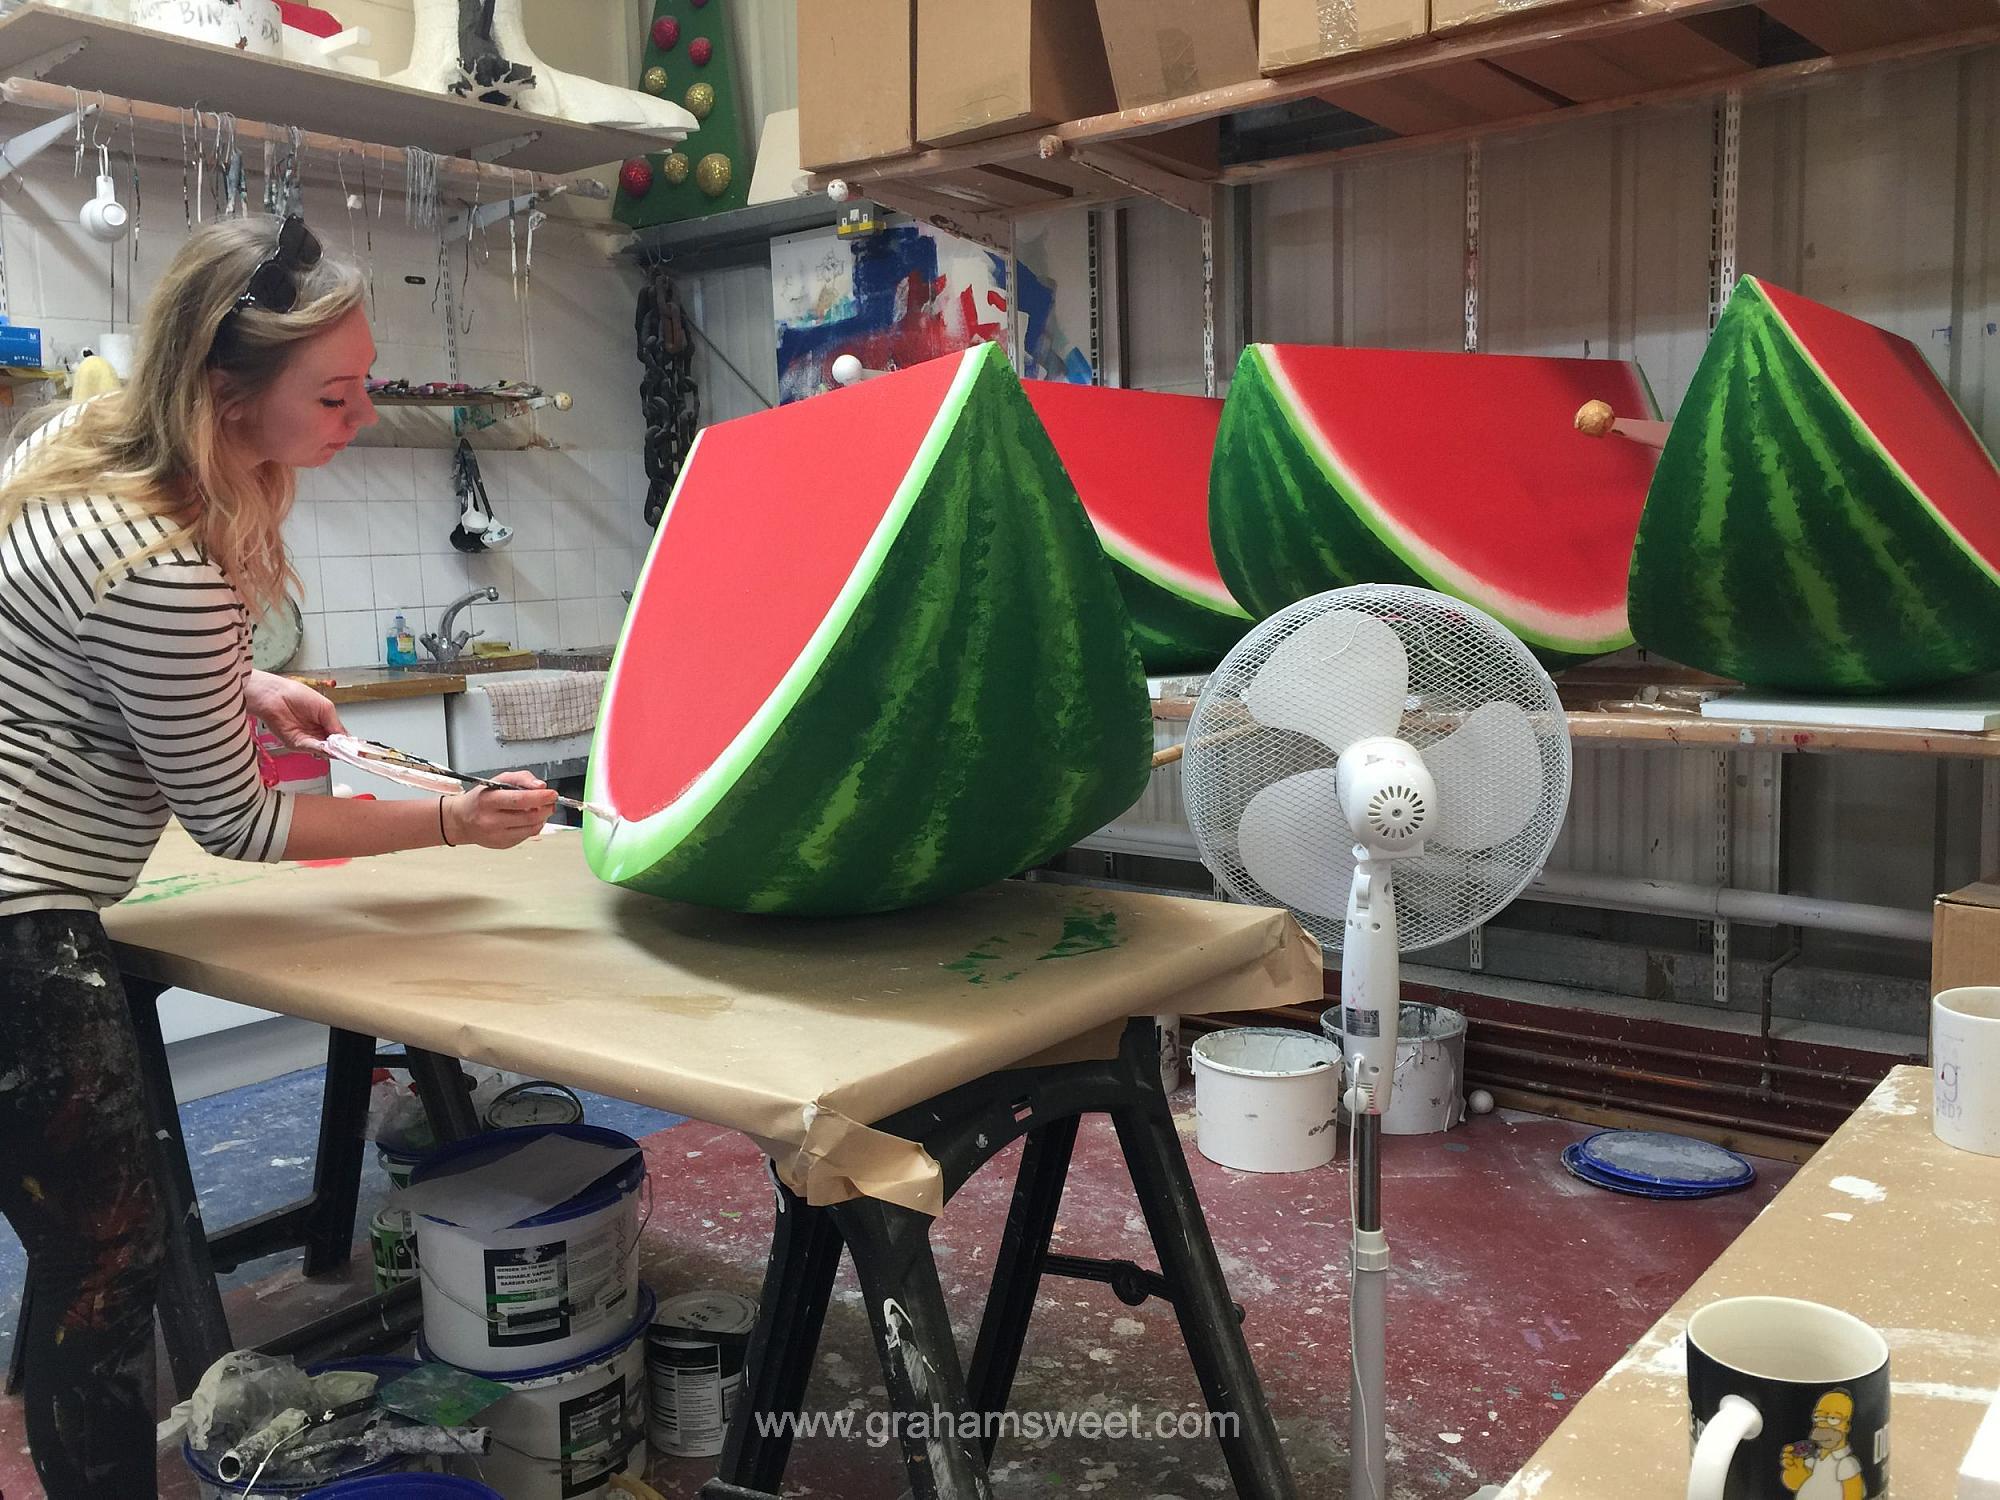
(929, 1393)
(195, 1329)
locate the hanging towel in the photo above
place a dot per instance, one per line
(543, 708)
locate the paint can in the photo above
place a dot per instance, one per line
(563, 1430)
(392, 1237)
(1429, 1091)
(1173, 1052)
(545, 1290)
(399, 1164)
(211, 1486)
(1965, 1068)
(695, 1353)
(407, 1487)
(1266, 1098)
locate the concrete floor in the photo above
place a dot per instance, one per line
(1515, 1287)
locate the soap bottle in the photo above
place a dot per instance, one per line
(400, 648)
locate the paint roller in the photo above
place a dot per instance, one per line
(1597, 419)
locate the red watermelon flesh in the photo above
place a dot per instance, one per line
(1140, 462)
(1895, 395)
(1458, 472)
(706, 577)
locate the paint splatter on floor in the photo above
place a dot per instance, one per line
(1514, 1289)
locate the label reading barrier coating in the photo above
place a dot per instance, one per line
(591, 1431)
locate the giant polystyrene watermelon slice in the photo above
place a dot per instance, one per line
(1823, 519)
(1139, 460)
(876, 657)
(1457, 472)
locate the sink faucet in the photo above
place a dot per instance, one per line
(441, 643)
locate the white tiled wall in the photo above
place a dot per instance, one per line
(370, 537)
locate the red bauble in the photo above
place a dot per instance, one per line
(636, 177)
(700, 50)
(666, 32)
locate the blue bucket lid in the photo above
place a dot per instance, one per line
(406, 1487)
(492, 1145)
(636, 1329)
(1660, 1159)
(383, 1369)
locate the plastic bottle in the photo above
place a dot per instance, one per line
(399, 649)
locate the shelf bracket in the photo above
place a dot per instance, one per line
(44, 63)
(994, 231)
(487, 214)
(17, 151)
(494, 150)
(1135, 175)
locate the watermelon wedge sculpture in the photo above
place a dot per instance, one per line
(1140, 460)
(875, 658)
(1457, 472)
(1824, 520)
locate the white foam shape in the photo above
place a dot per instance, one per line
(1296, 842)
(1489, 778)
(1340, 677)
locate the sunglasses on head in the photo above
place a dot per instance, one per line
(274, 285)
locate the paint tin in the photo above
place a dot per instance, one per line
(398, 1165)
(564, 1429)
(392, 1236)
(695, 1353)
(1266, 1098)
(536, 1102)
(1429, 1090)
(210, 1486)
(1965, 1068)
(541, 1292)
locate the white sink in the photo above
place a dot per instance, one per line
(477, 750)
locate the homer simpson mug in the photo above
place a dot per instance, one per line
(1790, 1401)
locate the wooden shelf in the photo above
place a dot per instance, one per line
(739, 234)
(1530, 71)
(75, 51)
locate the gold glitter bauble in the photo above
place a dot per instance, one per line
(700, 99)
(712, 174)
(676, 167)
(655, 81)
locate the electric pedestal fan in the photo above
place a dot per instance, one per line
(1393, 765)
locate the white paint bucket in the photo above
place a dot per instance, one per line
(564, 1430)
(694, 1363)
(1429, 1091)
(253, 26)
(1965, 1068)
(541, 1292)
(1266, 1098)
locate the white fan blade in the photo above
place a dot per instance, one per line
(1489, 778)
(1295, 843)
(1340, 677)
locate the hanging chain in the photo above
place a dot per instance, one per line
(669, 400)
(1472, 268)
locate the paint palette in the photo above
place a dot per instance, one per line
(1655, 1164)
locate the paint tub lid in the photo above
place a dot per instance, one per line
(1265, 1052)
(1657, 1158)
(535, 1102)
(706, 1317)
(1574, 1163)
(479, 1152)
(406, 1487)
(550, 1374)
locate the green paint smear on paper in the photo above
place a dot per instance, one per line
(1086, 931)
(166, 887)
(977, 966)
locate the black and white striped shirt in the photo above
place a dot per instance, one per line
(120, 704)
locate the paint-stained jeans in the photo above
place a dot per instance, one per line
(76, 1183)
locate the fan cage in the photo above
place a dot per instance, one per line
(1459, 658)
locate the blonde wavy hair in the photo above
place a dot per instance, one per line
(158, 446)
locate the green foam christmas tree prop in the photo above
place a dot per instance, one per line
(689, 60)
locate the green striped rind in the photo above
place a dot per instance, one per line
(1176, 632)
(1285, 524)
(982, 710)
(1781, 546)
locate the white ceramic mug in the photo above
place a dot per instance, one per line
(1965, 1068)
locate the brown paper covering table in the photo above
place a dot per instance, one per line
(806, 1035)
(1885, 1221)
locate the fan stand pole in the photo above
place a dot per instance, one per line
(1367, 1470)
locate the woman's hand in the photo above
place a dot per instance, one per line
(295, 713)
(499, 820)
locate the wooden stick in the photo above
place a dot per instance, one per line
(1596, 419)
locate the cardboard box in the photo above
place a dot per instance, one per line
(857, 81)
(1295, 33)
(1448, 14)
(1168, 49)
(1965, 938)
(988, 67)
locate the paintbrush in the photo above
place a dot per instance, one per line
(413, 770)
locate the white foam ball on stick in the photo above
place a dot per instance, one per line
(1479, 1102)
